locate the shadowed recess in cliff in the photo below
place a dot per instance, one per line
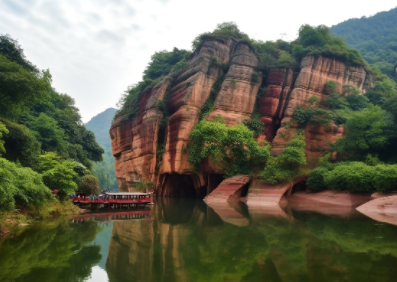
(178, 185)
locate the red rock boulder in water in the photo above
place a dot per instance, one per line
(230, 190)
(336, 198)
(383, 209)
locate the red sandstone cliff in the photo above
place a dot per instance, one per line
(134, 142)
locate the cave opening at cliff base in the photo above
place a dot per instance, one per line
(178, 185)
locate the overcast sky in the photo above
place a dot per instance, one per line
(96, 48)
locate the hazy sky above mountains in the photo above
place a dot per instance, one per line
(96, 48)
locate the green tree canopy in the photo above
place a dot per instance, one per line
(20, 186)
(20, 89)
(90, 185)
(364, 130)
(284, 167)
(232, 149)
(3, 129)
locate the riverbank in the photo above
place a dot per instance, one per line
(11, 222)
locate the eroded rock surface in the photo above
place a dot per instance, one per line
(230, 190)
(314, 73)
(335, 198)
(233, 65)
(383, 209)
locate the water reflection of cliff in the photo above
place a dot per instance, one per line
(189, 241)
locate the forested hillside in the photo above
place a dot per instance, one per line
(375, 37)
(105, 171)
(44, 145)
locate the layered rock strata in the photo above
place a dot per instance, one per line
(236, 99)
(314, 73)
(232, 65)
(134, 142)
(272, 104)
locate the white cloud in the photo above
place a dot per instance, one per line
(96, 48)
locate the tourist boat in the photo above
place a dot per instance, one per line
(113, 200)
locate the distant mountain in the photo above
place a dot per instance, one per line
(375, 37)
(100, 125)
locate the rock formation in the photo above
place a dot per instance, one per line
(233, 65)
(314, 73)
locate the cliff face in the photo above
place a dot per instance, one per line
(135, 141)
(314, 73)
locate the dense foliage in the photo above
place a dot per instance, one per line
(20, 186)
(232, 149)
(374, 37)
(319, 41)
(354, 176)
(43, 143)
(284, 167)
(90, 185)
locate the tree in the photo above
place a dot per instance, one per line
(11, 49)
(20, 144)
(232, 149)
(284, 167)
(58, 174)
(20, 89)
(90, 185)
(364, 131)
(49, 134)
(20, 186)
(3, 129)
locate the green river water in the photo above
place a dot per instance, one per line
(184, 240)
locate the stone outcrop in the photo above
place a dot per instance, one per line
(378, 195)
(236, 99)
(314, 73)
(233, 66)
(272, 104)
(334, 198)
(134, 142)
(383, 209)
(262, 194)
(230, 190)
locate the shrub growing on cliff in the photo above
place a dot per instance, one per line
(233, 149)
(223, 31)
(254, 125)
(314, 115)
(319, 41)
(162, 63)
(284, 167)
(144, 185)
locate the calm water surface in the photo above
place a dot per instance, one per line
(186, 240)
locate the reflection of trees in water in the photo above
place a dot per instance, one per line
(50, 252)
(188, 242)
